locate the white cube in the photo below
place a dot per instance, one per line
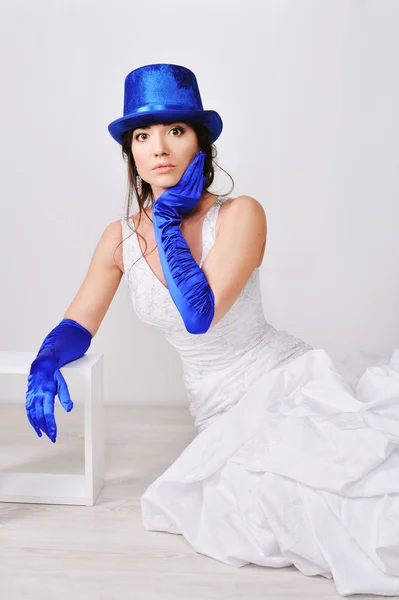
(49, 488)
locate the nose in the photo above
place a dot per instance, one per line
(160, 144)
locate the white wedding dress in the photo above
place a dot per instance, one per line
(291, 465)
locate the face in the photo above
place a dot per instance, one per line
(174, 144)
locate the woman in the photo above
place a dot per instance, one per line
(290, 466)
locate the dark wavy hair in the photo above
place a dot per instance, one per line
(145, 198)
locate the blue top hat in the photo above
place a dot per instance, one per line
(163, 93)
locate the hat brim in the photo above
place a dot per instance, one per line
(209, 118)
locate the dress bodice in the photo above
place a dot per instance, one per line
(221, 364)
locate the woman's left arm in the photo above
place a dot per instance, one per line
(203, 296)
(237, 251)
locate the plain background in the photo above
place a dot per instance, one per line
(308, 92)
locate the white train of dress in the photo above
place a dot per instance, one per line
(291, 464)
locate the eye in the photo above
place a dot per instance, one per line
(178, 129)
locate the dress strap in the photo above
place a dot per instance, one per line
(209, 228)
(130, 248)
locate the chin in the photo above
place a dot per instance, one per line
(166, 180)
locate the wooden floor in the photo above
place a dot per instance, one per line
(104, 552)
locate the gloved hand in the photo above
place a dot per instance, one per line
(186, 194)
(66, 342)
(186, 281)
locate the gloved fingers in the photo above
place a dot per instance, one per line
(48, 411)
(192, 174)
(30, 413)
(44, 406)
(193, 166)
(185, 185)
(200, 186)
(63, 391)
(30, 406)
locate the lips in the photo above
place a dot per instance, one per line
(162, 167)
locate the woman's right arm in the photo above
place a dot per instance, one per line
(101, 282)
(71, 338)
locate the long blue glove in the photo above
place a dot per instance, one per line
(186, 281)
(66, 342)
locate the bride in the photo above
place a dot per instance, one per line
(291, 465)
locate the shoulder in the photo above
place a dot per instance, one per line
(113, 232)
(110, 244)
(246, 203)
(242, 207)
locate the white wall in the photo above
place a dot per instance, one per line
(308, 92)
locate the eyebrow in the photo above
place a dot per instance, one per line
(165, 124)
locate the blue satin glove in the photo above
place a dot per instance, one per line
(186, 281)
(66, 342)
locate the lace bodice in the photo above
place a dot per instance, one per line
(221, 364)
